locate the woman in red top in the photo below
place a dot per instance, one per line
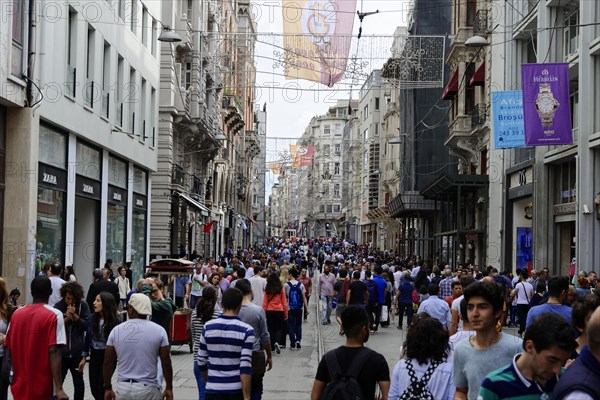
(276, 308)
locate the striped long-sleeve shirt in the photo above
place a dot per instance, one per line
(226, 352)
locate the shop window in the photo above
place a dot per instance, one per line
(89, 161)
(117, 172)
(115, 233)
(140, 181)
(50, 240)
(566, 191)
(53, 147)
(138, 244)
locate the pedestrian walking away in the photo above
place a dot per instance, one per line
(135, 345)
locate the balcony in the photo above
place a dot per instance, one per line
(478, 116)
(232, 111)
(184, 27)
(182, 101)
(178, 175)
(459, 128)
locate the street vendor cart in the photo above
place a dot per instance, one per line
(180, 332)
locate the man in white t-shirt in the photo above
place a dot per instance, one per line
(198, 280)
(135, 346)
(523, 292)
(456, 323)
(57, 282)
(258, 283)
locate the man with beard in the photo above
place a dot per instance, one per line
(326, 283)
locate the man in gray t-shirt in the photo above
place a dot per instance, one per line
(135, 345)
(477, 356)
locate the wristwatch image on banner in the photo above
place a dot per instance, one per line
(546, 111)
(546, 105)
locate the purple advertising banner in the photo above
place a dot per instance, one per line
(546, 106)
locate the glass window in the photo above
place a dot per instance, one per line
(53, 147)
(376, 103)
(338, 149)
(89, 161)
(326, 129)
(138, 243)
(115, 234)
(17, 38)
(50, 222)
(338, 129)
(117, 172)
(140, 181)
(326, 149)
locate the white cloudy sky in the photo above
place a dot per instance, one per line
(287, 119)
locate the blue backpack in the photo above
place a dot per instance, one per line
(373, 292)
(295, 302)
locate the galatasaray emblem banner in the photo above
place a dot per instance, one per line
(301, 155)
(317, 37)
(507, 117)
(546, 106)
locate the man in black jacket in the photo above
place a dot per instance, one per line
(101, 285)
(76, 315)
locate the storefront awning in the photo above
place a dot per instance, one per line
(203, 210)
(452, 87)
(448, 185)
(478, 78)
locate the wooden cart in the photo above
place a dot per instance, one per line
(180, 331)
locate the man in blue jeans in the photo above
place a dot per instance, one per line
(326, 283)
(296, 295)
(381, 291)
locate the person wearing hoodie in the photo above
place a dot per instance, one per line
(76, 314)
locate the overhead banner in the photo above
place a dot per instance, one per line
(275, 168)
(317, 37)
(507, 117)
(546, 106)
(301, 155)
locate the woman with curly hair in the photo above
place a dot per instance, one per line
(76, 313)
(424, 364)
(276, 309)
(104, 319)
(205, 311)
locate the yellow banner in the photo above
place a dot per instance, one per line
(317, 37)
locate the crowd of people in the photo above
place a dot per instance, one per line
(252, 303)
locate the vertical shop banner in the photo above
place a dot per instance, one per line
(317, 37)
(507, 117)
(546, 106)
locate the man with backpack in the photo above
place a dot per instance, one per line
(296, 295)
(373, 301)
(351, 371)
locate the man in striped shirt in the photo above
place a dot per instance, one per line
(225, 344)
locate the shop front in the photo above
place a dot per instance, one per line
(518, 237)
(52, 190)
(116, 214)
(460, 220)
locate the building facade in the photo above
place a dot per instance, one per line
(79, 135)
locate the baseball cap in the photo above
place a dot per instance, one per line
(141, 304)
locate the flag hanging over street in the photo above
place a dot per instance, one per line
(317, 39)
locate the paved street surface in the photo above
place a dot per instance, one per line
(293, 370)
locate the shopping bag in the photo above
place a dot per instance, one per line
(384, 314)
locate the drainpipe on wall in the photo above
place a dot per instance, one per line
(30, 53)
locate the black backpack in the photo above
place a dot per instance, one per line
(344, 386)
